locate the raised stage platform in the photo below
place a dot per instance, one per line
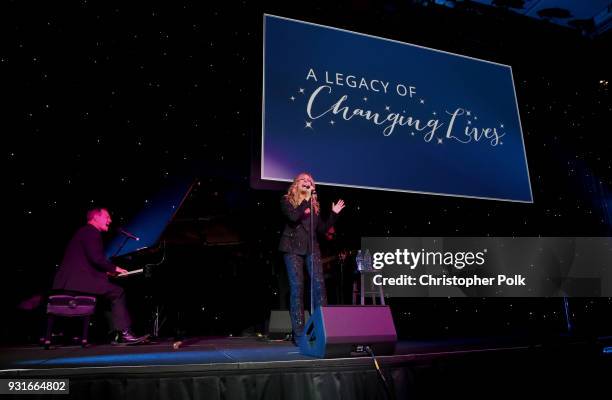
(250, 368)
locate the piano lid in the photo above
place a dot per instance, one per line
(149, 224)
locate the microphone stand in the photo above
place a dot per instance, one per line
(125, 240)
(312, 272)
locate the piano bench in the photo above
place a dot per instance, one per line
(64, 305)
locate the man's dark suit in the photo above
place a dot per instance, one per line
(84, 269)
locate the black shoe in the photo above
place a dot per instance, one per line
(126, 337)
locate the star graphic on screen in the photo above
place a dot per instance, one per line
(439, 141)
(422, 101)
(292, 98)
(387, 108)
(469, 122)
(302, 90)
(332, 122)
(475, 117)
(412, 133)
(434, 113)
(501, 125)
(468, 113)
(365, 99)
(308, 124)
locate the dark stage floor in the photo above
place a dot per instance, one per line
(215, 352)
(246, 367)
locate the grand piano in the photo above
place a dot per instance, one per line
(144, 231)
(186, 270)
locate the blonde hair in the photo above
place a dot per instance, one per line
(293, 193)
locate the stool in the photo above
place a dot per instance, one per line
(63, 305)
(370, 291)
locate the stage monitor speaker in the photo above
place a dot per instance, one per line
(279, 324)
(343, 331)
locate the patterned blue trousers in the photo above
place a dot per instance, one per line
(295, 272)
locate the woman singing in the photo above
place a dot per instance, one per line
(295, 245)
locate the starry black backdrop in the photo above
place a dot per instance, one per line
(105, 103)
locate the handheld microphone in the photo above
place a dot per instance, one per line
(128, 234)
(313, 193)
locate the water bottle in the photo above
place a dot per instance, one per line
(359, 261)
(367, 260)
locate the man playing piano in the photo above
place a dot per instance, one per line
(85, 270)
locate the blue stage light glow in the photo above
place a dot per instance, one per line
(607, 350)
(176, 357)
(190, 356)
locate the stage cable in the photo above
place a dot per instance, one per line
(390, 394)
